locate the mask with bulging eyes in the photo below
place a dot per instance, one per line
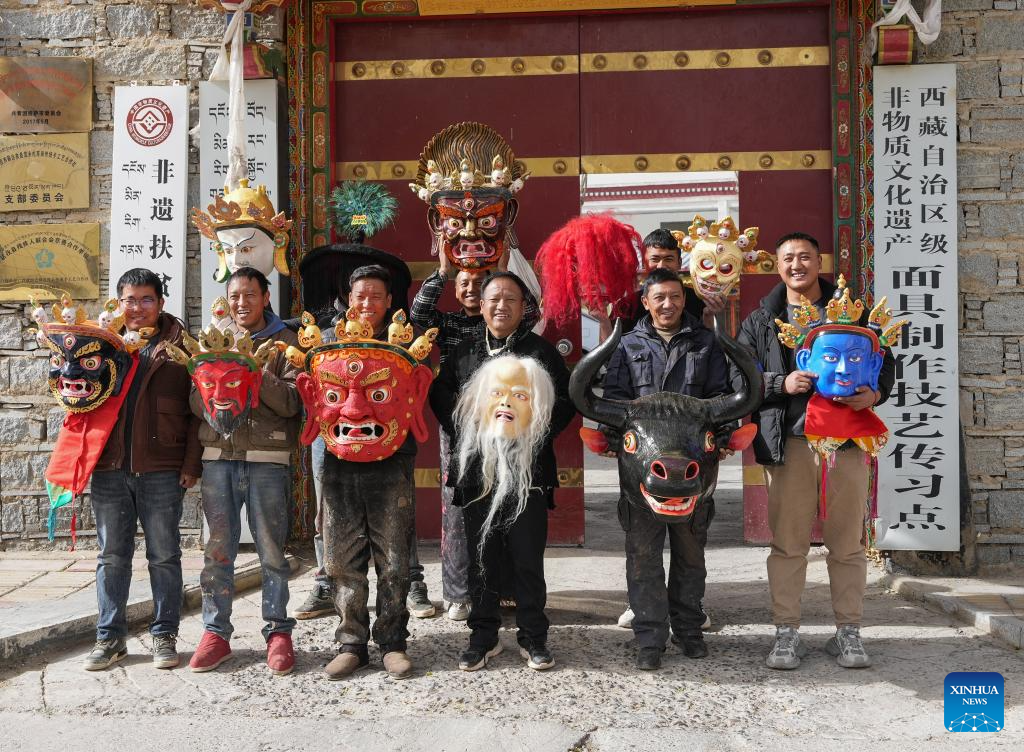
(85, 369)
(472, 224)
(716, 255)
(229, 386)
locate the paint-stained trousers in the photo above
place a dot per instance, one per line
(454, 552)
(793, 494)
(657, 606)
(369, 508)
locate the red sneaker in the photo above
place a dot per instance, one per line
(280, 655)
(213, 650)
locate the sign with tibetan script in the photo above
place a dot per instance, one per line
(916, 269)
(45, 94)
(41, 173)
(148, 187)
(261, 155)
(45, 260)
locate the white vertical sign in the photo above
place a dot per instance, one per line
(261, 154)
(916, 268)
(148, 186)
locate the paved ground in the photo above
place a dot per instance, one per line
(593, 700)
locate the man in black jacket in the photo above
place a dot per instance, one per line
(504, 332)
(668, 351)
(793, 472)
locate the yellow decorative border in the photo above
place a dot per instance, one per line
(707, 161)
(539, 167)
(456, 67)
(430, 477)
(661, 60)
(467, 7)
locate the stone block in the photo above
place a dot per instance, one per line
(998, 112)
(950, 43)
(950, 6)
(54, 418)
(996, 132)
(132, 21)
(983, 355)
(985, 455)
(10, 332)
(991, 555)
(189, 22)
(154, 62)
(101, 148)
(1004, 409)
(67, 23)
(28, 374)
(1002, 220)
(976, 170)
(1000, 33)
(977, 80)
(1006, 509)
(14, 427)
(12, 517)
(979, 272)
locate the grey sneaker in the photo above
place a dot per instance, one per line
(846, 646)
(319, 602)
(787, 650)
(458, 611)
(106, 653)
(418, 602)
(165, 651)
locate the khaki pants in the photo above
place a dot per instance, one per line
(793, 493)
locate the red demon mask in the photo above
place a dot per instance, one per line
(229, 385)
(364, 399)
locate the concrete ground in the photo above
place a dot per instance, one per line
(593, 700)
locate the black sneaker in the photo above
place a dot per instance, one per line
(475, 659)
(106, 653)
(693, 645)
(418, 602)
(648, 659)
(319, 602)
(538, 657)
(165, 651)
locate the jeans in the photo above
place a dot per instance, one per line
(320, 575)
(120, 501)
(518, 547)
(369, 508)
(263, 487)
(655, 605)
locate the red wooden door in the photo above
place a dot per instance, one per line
(396, 84)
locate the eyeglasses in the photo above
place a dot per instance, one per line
(146, 302)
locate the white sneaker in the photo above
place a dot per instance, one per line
(787, 650)
(626, 620)
(847, 648)
(458, 611)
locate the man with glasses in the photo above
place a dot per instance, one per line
(151, 457)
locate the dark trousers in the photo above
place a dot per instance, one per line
(521, 546)
(369, 508)
(655, 606)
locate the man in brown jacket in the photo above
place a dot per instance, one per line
(250, 467)
(151, 457)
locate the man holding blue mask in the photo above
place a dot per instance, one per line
(843, 373)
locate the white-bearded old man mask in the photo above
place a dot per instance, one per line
(503, 416)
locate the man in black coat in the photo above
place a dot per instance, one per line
(793, 472)
(504, 332)
(668, 351)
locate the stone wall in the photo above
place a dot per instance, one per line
(158, 42)
(986, 40)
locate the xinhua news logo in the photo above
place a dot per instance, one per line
(974, 701)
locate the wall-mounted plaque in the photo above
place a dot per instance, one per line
(45, 260)
(45, 94)
(44, 172)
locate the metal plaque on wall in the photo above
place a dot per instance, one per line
(45, 94)
(45, 260)
(44, 172)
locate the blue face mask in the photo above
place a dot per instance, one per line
(842, 361)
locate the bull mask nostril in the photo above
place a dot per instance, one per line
(658, 470)
(692, 470)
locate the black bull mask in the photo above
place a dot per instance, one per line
(668, 462)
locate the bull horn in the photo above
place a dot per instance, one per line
(748, 398)
(610, 412)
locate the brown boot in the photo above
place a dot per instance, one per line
(346, 664)
(397, 664)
